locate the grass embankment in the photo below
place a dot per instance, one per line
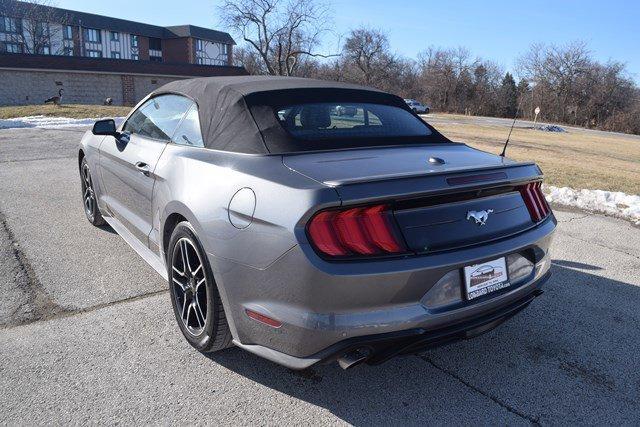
(71, 110)
(577, 158)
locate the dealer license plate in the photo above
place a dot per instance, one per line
(482, 279)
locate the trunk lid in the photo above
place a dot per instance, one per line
(433, 204)
(337, 168)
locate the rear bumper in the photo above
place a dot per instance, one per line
(324, 307)
(381, 347)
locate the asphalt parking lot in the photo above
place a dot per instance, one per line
(87, 333)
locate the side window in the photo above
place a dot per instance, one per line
(188, 132)
(158, 117)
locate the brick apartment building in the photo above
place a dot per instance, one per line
(92, 57)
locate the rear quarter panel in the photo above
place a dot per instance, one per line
(200, 183)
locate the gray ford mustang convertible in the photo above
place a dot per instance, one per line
(304, 235)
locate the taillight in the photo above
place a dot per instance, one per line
(535, 201)
(361, 231)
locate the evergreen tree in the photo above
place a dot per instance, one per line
(508, 96)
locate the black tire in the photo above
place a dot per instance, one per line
(214, 335)
(89, 201)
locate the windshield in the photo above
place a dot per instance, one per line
(325, 121)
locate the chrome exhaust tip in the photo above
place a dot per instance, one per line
(353, 358)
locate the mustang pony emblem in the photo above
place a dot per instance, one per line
(480, 216)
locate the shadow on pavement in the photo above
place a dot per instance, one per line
(107, 228)
(573, 264)
(571, 356)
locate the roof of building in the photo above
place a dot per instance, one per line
(21, 9)
(201, 33)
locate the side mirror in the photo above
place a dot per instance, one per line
(105, 127)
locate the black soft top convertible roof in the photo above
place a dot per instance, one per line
(237, 112)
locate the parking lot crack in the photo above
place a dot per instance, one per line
(36, 159)
(33, 302)
(575, 218)
(70, 312)
(499, 402)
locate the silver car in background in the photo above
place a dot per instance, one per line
(304, 235)
(417, 107)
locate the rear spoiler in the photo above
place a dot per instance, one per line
(410, 186)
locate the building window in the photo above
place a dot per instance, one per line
(67, 51)
(92, 35)
(135, 56)
(41, 30)
(155, 58)
(114, 36)
(209, 53)
(10, 25)
(134, 40)
(94, 53)
(67, 32)
(10, 47)
(155, 44)
(115, 55)
(44, 50)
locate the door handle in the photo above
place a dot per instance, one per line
(143, 168)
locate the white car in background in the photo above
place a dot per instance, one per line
(417, 107)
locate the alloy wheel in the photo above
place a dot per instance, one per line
(88, 195)
(189, 286)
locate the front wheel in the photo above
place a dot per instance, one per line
(89, 200)
(194, 295)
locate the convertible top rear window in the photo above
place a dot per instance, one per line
(338, 120)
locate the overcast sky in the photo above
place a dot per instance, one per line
(497, 30)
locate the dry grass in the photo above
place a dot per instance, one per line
(577, 158)
(72, 110)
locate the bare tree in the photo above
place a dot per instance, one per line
(565, 81)
(555, 72)
(570, 86)
(37, 26)
(282, 33)
(454, 81)
(248, 58)
(368, 50)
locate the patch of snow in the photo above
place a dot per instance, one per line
(613, 203)
(50, 122)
